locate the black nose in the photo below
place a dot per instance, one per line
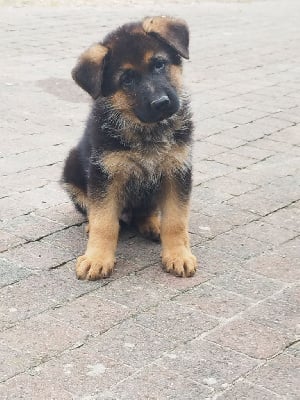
(160, 104)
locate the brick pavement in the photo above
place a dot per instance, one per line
(230, 332)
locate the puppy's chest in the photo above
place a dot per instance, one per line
(145, 166)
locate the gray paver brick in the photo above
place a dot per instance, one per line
(190, 324)
(280, 375)
(204, 363)
(155, 382)
(247, 391)
(247, 284)
(133, 344)
(214, 301)
(249, 337)
(83, 372)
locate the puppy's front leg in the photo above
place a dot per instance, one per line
(176, 254)
(99, 258)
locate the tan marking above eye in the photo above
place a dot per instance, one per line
(127, 66)
(148, 56)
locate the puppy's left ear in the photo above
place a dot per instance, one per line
(172, 31)
(88, 71)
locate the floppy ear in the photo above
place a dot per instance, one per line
(89, 69)
(173, 31)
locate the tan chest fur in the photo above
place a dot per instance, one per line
(147, 164)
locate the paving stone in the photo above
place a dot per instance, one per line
(287, 218)
(71, 241)
(41, 337)
(132, 344)
(267, 143)
(212, 168)
(247, 284)
(16, 364)
(266, 232)
(172, 319)
(243, 115)
(250, 338)
(202, 148)
(40, 292)
(155, 382)
(209, 126)
(205, 198)
(11, 273)
(26, 386)
(229, 185)
(291, 115)
(135, 292)
(214, 261)
(207, 226)
(214, 301)
(91, 314)
(238, 245)
(39, 255)
(257, 202)
(244, 390)
(82, 371)
(8, 240)
(226, 139)
(64, 213)
(31, 227)
(290, 135)
(252, 152)
(204, 363)
(229, 214)
(280, 375)
(234, 160)
(274, 265)
(294, 349)
(279, 312)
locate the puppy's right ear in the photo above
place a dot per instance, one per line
(89, 69)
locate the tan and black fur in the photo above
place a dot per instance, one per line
(135, 155)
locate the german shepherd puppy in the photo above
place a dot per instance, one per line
(134, 158)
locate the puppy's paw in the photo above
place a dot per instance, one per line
(180, 262)
(150, 227)
(93, 268)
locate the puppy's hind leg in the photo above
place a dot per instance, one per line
(74, 182)
(149, 225)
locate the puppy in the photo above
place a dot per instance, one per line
(134, 158)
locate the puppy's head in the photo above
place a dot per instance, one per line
(138, 67)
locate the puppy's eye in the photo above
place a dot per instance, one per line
(159, 65)
(127, 78)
